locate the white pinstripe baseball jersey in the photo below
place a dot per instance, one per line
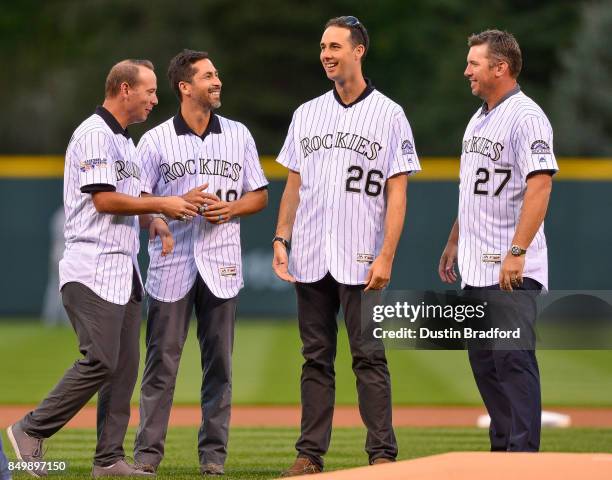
(344, 155)
(176, 160)
(101, 248)
(501, 147)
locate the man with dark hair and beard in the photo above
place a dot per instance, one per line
(193, 148)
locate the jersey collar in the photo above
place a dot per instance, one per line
(111, 121)
(369, 89)
(181, 127)
(485, 108)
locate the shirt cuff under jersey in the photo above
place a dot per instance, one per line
(97, 187)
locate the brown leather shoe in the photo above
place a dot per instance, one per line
(381, 460)
(302, 466)
(145, 467)
(212, 469)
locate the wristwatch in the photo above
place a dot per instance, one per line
(282, 240)
(517, 251)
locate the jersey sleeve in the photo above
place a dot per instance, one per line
(253, 177)
(404, 158)
(95, 162)
(534, 145)
(288, 156)
(150, 159)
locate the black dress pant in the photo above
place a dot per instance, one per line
(318, 306)
(509, 380)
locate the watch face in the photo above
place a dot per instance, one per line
(516, 251)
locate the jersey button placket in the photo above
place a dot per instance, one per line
(328, 215)
(333, 181)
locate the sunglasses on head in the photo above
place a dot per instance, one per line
(351, 21)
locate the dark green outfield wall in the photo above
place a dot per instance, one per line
(578, 227)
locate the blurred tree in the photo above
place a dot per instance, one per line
(421, 59)
(56, 54)
(582, 116)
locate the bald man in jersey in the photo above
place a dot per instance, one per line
(507, 164)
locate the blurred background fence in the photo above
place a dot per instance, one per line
(578, 228)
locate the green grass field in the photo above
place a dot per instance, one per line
(267, 368)
(266, 371)
(263, 453)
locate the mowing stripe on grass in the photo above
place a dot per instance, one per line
(267, 365)
(262, 453)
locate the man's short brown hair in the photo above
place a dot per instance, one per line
(359, 34)
(125, 71)
(502, 47)
(181, 68)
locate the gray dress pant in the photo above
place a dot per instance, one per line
(109, 341)
(318, 306)
(167, 327)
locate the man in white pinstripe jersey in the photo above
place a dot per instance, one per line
(205, 269)
(349, 153)
(99, 278)
(507, 163)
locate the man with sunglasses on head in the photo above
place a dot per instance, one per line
(349, 153)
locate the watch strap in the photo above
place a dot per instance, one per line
(282, 240)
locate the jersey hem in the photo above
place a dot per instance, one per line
(323, 276)
(64, 282)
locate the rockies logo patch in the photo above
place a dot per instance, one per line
(407, 147)
(540, 147)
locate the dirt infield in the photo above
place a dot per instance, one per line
(345, 416)
(477, 465)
